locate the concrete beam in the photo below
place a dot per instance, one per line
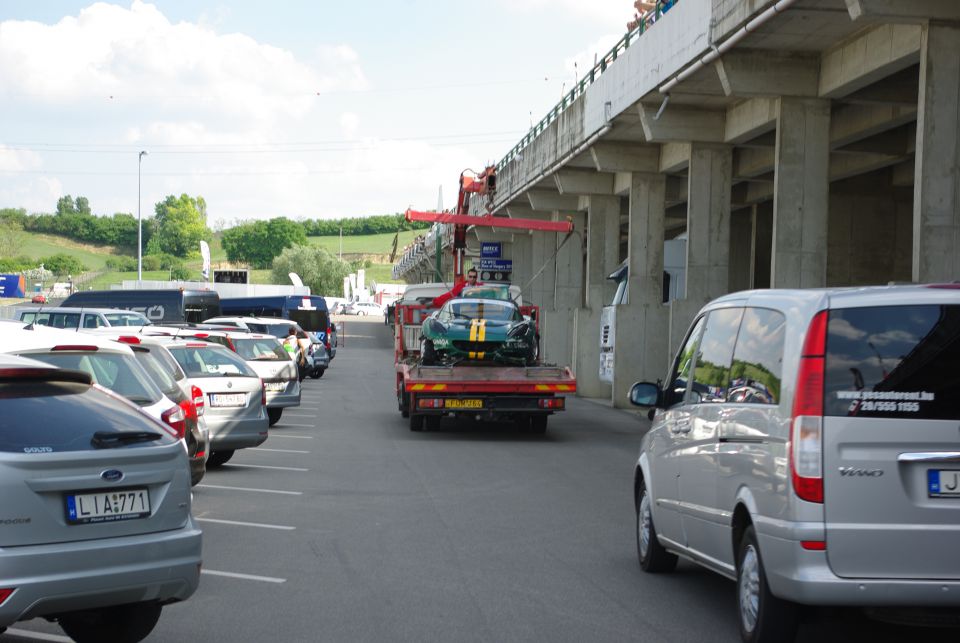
(749, 119)
(621, 183)
(850, 123)
(583, 182)
(901, 141)
(918, 11)
(683, 124)
(868, 57)
(547, 201)
(768, 73)
(674, 157)
(751, 193)
(624, 157)
(901, 89)
(750, 163)
(904, 174)
(844, 166)
(676, 190)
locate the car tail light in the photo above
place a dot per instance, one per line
(128, 339)
(189, 410)
(806, 434)
(814, 545)
(231, 345)
(5, 593)
(430, 403)
(176, 419)
(198, 399)
(263, 393)
(74, 347)
(550, 403)
(201, 335)
(196, 345)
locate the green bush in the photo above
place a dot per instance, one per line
(17, 264)
(152, 262)
(122, 264)
(63, 264)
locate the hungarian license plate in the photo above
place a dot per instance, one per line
(463, 404)
(275, 387)
(943, 482)
(228, 399)
(107, 506)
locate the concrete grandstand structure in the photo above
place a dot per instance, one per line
(799, 143)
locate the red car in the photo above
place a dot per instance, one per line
(39, 299)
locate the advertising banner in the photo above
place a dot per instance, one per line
(12, 286)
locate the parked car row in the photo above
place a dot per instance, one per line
(96, 511)
(805, 445)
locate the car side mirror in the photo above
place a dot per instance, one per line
(644, 394)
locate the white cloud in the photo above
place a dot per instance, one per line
(588, 57)
(349, 124)
(611, 13)
(15, 160)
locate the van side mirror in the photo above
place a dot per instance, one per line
(644, 394)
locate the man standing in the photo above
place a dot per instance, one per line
(457, 288)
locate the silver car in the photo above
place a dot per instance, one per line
(265, 355)
(806, 445)
(235, 405)
(95, 523)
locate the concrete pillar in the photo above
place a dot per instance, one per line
(642, 324)
(936, 202)
(522, 262)
(708, 222)
(559, 345)
(801, 194)
(761, 243)
(741, 233)
(603, 254)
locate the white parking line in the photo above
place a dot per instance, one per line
(288, 435)
(246, 524)
(262, 579)
(216, 486)
(259, 449)
(38, 636)
(263, 466)
(305, 426)
(294, 409)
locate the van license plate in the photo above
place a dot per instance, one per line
(228, 399)
(943, 482)
(463, 404)
(107, 506)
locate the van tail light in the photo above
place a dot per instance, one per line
(5, 593)
(263, 393)
(806, 426)
(198, 399)
(326, 340)
(176, 419)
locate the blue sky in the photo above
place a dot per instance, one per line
(290, 108)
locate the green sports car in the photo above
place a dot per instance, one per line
(477, 328)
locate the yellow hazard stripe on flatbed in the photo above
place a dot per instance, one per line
(424, 387)
(554, 387)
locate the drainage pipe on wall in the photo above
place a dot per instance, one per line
(728, 44)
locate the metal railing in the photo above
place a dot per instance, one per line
(646, 21)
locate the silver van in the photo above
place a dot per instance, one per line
(80, 318)
(807, 445)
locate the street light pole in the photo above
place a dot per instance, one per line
(139, 221)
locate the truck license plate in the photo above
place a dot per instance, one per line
(463, 404)
(942, 482)
(107, 506)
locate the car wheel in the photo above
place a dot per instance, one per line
(533, 354)
(763, 617)
(317, 373)
(274, 415)
(416, 422)
(428, 355)
(120, 623)
(653, 557)
(538, 424)
(219, 458)
(360, 313)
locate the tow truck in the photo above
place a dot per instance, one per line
(487, 391)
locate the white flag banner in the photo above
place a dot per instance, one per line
(295, 279)
(205, 253)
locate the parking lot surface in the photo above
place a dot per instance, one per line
(346, 526)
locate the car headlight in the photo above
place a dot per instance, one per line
(436, 326)
(518, 331)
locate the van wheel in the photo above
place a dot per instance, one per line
(121, 623)
(219, 458)
(653, 557)
(274, 415)
(763, 616)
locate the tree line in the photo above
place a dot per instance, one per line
(357, 226)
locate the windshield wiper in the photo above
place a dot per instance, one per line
(113, 439)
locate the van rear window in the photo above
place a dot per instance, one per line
(893, 362)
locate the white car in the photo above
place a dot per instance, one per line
(363, 308)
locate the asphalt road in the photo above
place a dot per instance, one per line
(346, 526)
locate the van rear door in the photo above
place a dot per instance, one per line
(891, 450)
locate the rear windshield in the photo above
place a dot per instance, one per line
(34, 412)
(158, 372)
(484, 309)
(263, 349)
(210, 361)
(115, 371)
(126, 319)
(893, 362)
